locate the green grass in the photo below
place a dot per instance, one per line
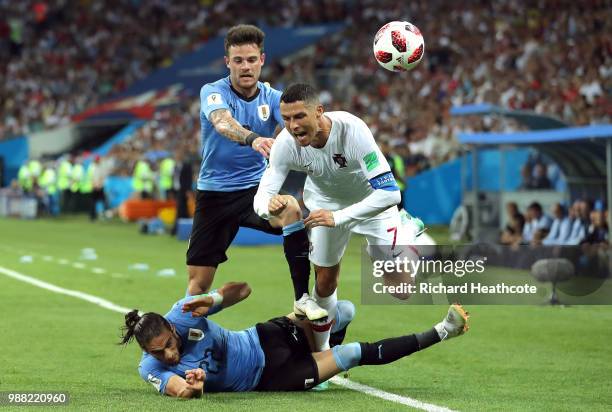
(513, 358)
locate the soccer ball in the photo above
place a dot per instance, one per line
(398, 46)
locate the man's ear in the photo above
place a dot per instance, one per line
(320, 110)
(226, 60)
(263, 58)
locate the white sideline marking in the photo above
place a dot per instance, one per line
(358, 387)
(392, 397)
(98, 271)
(74, 293)
(63, 261)
(78, 265)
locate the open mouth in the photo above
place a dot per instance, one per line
(300, 134)
(248, 76)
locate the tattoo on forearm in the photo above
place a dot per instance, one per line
(226, 125)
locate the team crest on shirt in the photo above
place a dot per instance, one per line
(340, 160)
(263, 111)
(195, 334)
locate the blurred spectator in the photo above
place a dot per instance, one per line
(513, 232)
(560, 228)
(579, 226)
(598, 229)
(535, 176)
(537, 224)
(183, 184)
(98, 176)
(540, 177)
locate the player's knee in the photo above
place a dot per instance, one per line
(345, 310)
(347, 356)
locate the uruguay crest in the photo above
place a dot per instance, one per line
(263, 111)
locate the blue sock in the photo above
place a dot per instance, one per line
(293, 227)
(347, 356)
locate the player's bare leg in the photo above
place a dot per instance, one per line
(296, 245)
(200, 279)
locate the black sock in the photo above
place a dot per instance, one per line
(389, 350)
(336, 338)
(296, 251)
(426, 339)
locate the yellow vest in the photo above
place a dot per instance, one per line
(166, 174)
(63, 175)
(24, 177)
(76, 175)
(142, 179)
(87, 180)
(48, 181)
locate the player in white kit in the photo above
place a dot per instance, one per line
(349, 189)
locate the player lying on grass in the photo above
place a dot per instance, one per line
(185, 353)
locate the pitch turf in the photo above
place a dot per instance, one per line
(513, 358)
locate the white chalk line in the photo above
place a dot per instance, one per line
(67, 262)
(57, 289)
(358, 387)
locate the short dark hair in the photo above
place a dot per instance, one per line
(535, 206)
(244, 34)
(300, 92)
(143, 328)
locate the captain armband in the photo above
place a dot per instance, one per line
(384, 181)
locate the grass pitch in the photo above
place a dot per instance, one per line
(513, 358)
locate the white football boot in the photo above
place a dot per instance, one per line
(454, 324)
(308, 307)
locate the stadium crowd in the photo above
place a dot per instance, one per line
(552, 57)
(64, 58)
(567, 225)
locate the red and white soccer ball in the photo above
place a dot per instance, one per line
(399, 46)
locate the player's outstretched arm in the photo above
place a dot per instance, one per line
(207, 304)
(267, 203)
(190, 387)
(225, 124)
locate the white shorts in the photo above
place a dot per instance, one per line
(384, 230)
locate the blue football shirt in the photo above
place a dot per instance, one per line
(233, 361)
(226, 165)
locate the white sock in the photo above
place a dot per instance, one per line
(321, 330)
(442, 332)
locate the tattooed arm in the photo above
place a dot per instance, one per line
(226, 125)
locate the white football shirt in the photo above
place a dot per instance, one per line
(338, 173)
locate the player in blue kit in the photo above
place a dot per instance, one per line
(186, 354)
(238, 115)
